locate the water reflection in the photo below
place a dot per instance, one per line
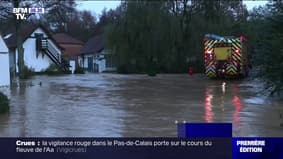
(238, 106)
(223, 87)
(208, 106)
(97, 105)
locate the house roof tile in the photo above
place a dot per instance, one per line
(63, 38)
(93, 45)
(25, 32)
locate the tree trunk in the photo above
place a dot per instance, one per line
(19, 42)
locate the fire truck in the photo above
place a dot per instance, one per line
(225, 56)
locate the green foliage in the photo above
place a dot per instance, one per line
(64, 16)
(53, 70)
(26, 73)
(4, 103)
(169, 32)
(274, 62)
(267, 46)
(166, 36)
(79, 70)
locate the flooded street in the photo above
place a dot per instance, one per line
(113, 105)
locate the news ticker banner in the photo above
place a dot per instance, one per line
(242, 147)
(112, 148)
(194, 141)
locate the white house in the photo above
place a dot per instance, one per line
(95, 58)
(40, 49)
(4, 64)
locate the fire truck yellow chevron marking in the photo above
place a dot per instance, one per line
(211, 63)
(236, 56)
(231, 70)
(238, 40)
(207, 42)
(234, 65)
(210, 68)
(210, 71)
(211, 74)
(209, 45)
(236, 45)
(231, 67)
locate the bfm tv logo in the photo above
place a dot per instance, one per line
(21, 12)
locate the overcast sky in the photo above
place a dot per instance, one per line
(98, 5)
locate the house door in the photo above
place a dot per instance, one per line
(96, 67)
(90, 64)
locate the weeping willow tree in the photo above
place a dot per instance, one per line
(269, 54)
(166, 36)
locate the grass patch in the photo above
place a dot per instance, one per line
(53, 70)
(79, 70)
(4, 103)
(26, 73)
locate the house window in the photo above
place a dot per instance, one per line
(39, 37)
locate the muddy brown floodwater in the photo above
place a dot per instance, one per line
(112, 105)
